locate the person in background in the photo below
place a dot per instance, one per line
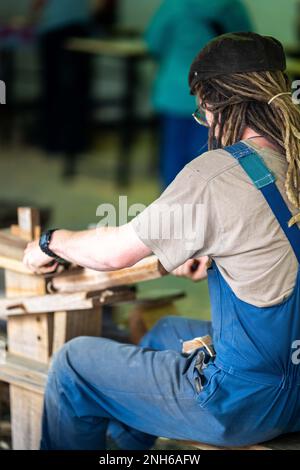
(176, 32)
(65, 76)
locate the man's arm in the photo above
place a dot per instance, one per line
(101, 249)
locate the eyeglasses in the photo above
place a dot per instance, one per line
(200, 117)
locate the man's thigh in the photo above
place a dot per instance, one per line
(147, 390)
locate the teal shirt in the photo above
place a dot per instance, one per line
(60, 13)
(178, 31)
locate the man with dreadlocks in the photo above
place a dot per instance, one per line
(241, 209)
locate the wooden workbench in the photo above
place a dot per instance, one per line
(44, 312)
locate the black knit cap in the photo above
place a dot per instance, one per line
(237, 53)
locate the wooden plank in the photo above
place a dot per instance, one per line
(11, 246)
(22, 284)
(63, 302)
(14, 265)
(284, 442)
(30, 336)
(27, 381)
(26, 418)
(79, 323)
(44, 304)
(12, 252)
(25, 373)
(145, 270)
(202, 446)
(29, 223)
(59, 330)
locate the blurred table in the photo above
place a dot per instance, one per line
(110, 47)
(131, 52)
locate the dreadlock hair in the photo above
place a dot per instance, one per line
(240, 100)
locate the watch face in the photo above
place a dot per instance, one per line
(44, 240)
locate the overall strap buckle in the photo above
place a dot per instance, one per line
(253, 164)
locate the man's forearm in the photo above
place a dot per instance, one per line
(101, 249)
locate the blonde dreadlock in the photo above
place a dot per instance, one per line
(241, 100)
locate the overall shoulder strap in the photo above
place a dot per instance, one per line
(264, 180)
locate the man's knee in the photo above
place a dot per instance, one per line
(62, 359)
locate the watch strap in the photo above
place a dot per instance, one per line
(44, 243)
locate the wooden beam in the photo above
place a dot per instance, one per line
(145, 270)
(68, 325)
(29, 223)
(12, 252)
(30, 336)
(11, 246)
(23, 372)
(203, 446)
(63, 302)
(26, 418)
(14, 265)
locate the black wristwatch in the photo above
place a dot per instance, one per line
(44, 246)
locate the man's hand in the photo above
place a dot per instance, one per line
(37, 261)
(195, 269)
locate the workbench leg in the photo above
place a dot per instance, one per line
(29, 336)
(26, 412)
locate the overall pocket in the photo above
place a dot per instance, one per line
(211, 379)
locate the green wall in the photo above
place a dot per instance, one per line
(274, 17)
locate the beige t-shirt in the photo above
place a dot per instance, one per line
(213, 208)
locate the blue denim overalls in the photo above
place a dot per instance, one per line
(249, 393)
